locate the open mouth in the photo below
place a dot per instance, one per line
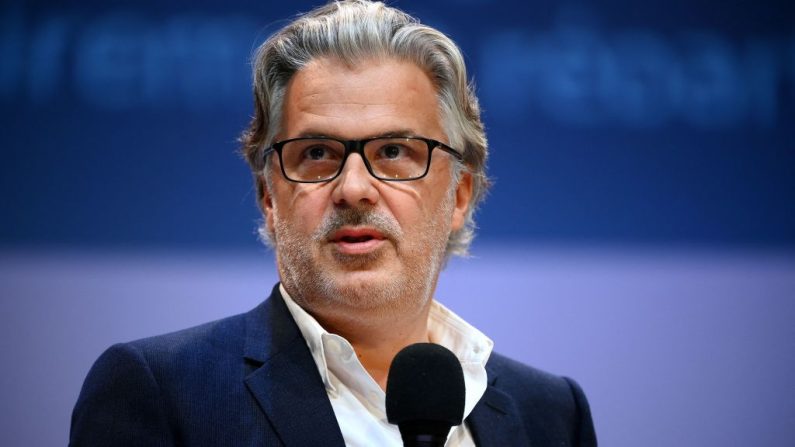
(357, 240)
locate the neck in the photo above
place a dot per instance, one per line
(377, 339)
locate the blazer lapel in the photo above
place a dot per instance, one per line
(495, 420)
(285, 381)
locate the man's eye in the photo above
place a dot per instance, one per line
(317, 153)
(391, 151)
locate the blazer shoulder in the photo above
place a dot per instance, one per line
(137, 392)
(561, 400)
(173, 354)
(221, 335)
(507, 372)
(176, 357)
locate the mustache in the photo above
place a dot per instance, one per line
(342, 217)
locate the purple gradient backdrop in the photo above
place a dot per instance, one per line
(673, 348)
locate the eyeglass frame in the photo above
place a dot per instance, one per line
(357, 147)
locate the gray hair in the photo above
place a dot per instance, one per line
(353, 31)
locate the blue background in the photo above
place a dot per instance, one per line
(640, 235)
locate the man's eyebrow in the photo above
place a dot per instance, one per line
(397, 133)
(310, 133)
(393, 133)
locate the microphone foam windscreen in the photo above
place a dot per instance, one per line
(425, 384)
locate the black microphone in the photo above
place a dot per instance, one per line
(425, 394)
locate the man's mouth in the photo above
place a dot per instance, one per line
(357, 240)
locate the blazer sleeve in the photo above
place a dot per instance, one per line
(120, 404)
(586, 435)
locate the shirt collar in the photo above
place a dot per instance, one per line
(313, 334)
(445, 328)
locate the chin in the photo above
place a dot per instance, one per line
(369, 290)
(365, 262)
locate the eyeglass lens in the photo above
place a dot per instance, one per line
(321, 159)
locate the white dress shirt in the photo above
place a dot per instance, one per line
(360, 404)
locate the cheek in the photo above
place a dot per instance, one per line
(435, 193)
(413, 206)
(301, 209)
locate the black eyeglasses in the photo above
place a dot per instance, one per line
(320, 159)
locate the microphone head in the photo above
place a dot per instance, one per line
(425, 390)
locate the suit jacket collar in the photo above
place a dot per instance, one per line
(495, 419)
(288, 387)
(284, 378)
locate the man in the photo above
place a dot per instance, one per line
(369, 153)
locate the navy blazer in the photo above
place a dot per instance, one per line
(250, 380)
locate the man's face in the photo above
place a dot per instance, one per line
(357, 243)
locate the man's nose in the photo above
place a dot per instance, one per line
(355, 185)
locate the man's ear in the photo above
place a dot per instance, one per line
(463, 195)
(266, 202)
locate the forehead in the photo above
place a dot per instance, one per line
(372, 97)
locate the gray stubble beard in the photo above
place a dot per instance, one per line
(315, 288)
